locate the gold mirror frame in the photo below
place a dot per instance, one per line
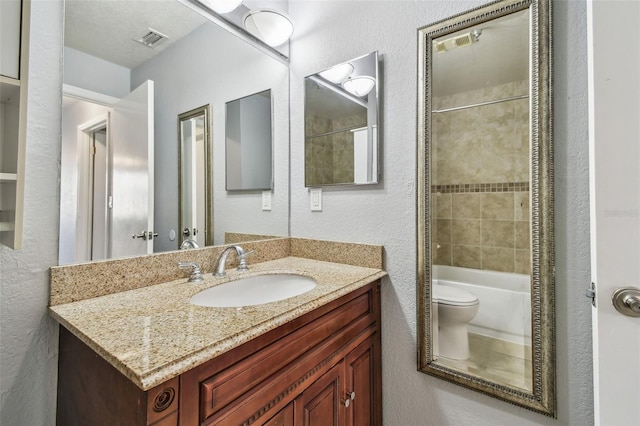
(205, 112)
(542, 398)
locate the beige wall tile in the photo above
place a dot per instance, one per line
(523, 262)
(441, 254)
(498, 233)
(498, 205)
(521, 205)
(443, 231)
(498, 259)
(466, 206)
(466, 256)
(465, 231)
(523, 235)
(443, 205)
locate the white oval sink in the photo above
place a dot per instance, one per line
(254, 291)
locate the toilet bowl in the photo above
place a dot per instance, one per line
(454, 309)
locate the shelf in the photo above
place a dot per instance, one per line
(8, 177)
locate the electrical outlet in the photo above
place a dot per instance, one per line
(316, 199)
(266, 200)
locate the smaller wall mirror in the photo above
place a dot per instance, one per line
(196, 218)
(249, 141)
(341, 124)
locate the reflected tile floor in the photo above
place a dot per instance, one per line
(497, 361)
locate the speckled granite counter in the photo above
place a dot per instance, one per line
(152, 334)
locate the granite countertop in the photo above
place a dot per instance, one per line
(153, 334)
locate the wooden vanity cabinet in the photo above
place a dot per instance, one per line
(323, 368)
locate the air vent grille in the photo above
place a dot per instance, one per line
(152, 38)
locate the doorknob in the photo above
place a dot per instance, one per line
(627, 301)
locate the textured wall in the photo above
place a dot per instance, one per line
(28, 336)
(331, 32)
(327, 33)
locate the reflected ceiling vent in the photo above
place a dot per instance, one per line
(152, 38)
(462, 40)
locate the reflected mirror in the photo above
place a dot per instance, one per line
(485, 207)
(194, 165)
(341, 124)
(112, 48)
(249, 163)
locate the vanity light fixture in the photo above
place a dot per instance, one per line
(359, 86)
(222, 6)
(338, 74)
(272, 27)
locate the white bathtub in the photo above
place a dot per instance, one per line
(505, 301)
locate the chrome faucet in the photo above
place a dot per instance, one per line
(196, 272)
(242, 260)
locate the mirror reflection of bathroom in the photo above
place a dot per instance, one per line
(480, 225)
(341, 124)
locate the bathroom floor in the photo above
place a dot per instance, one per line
(497, 361)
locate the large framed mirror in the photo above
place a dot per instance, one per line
(195, 178)
(485, 285)
(190, 62)
(341, 124)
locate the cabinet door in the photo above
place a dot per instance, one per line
(361, 386)
(320, 404)
(283, 418)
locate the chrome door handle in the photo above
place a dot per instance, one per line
(627, 301)
(145, 235)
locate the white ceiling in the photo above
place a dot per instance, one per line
(107, 29)
(500, 56)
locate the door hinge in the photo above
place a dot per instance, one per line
(590, 292)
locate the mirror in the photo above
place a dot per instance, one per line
(485, 203)
(193, 62)
(249, 139)
(341, 124)
(194, 162)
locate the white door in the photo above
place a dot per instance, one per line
(614, 109)
(131, 145)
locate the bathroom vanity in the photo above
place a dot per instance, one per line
(149, 357)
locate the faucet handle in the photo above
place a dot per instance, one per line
(196, 272)
(242, 260)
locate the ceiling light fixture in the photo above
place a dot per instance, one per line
(360, 86)
(337, 74)
(222, 6)
(270, 26)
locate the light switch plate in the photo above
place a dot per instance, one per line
(316, 199)
(266, 200)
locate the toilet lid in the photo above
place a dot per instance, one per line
(452, 296)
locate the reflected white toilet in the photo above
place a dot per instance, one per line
(455, 309)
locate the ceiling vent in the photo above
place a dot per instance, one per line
(152, 38)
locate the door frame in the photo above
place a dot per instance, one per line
(84, 228)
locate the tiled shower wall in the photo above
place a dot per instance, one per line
(329, 158)
(480, 181)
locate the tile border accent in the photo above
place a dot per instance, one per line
(481, 187)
